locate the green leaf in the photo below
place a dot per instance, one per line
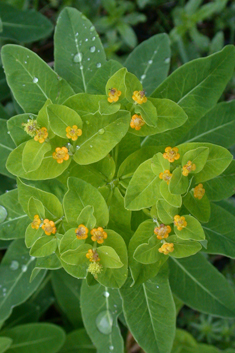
(81, 194)
(200, 209)
(53, 207)
(79, 56)
(100, 320)
(150, 61)
(178, 183)
(23, 26)
(31, 235)
(166, 212)
(143, 189)
(98, 81)
(148, 112)
(68, 295)
(16, 221)
(173, 199)
(69, 241)
(105, 108)
(153, 324)
(192, 231)
(77, 257)
(87, 217)
(6, 147)
(33, 154)
(216, 126)
(220, 232)
(44, 246)
(127, 33)
(35, 207)
(198, 157)
(5, 343)
(183, 248)
(132, 84)
(118, 81)
(15, 271)
(78, 340)
(108, 257)
(148, 253)
(199, 285)
(36, 338)
(198, 93)
(29, 81)
(14, 126)
(61, 117)
(50, 262)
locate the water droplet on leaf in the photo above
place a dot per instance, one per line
(101, 131)
(93, 38)
(104, 322)
(3, 213)
(92, 49)
(106, 294)
(77, 58)
(98, 65)
(24, 268)
(111, 348)
(35, 80)
(143, 77)
(14, 265)
(92, 28)
(150, 62)
(167, 60)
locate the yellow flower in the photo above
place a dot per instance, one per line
(171, 154)
(187, 168)
(199, 192)
(166, 176)
(81, 232)
(180, 222)
(61, 154)
(98, 235)
(36, 222)
(114, 95)
(136, 122)
(31, 127)
(162, 231)
(139, 97)
(49, 227)
(73, 132)
(92, 255)
(166, 248)
(95, 268)
(41, 135)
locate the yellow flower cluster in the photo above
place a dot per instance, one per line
(199, 192)
(139, 97)
(31, 127)
(81, 232)
(61, 154)
(187, 168)
(95, 267)
(98, 234)
(180, 222)
(73, 132)
(162, 231)
(48, 226)
(171, 154)
(92, 255)
(41, 135)
(166, 176)
(166, 248)
(114, 95)
(137, 122)
(36, 222)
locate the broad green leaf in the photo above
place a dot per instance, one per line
(101, 307)
(223, 186)
(183, 248)
(153, 324)
(132, 84)
(105, 108)
(78, 340)
(220, 232)
(159, 164)
(28, 77)
(68, 295)
(148, 112)
(183, 339)
(81, 194)
(33, 154)
(127, 33)
(17, 221)
(173, 199)
(77, 257)
(199, 285)
(15, 271)
(199, 92)
(5, 343)
(143, 189)
(198, 157)
(85, 104)
(61, 117)
(178, 183)
(192, 231)
(53, 207)
(31, 235)
(35, 207)
(98, 81)
(36, 338)
(69, 241)
(23, 26)
(6, 147)
(118, 81)
(79, 57)
(44, 246)
(216, 126)
(87, 217)
(16, 129)
(50, 262)
(150, 61)
(148, 253)
(108, 257)
(200, 209)
(166, 212)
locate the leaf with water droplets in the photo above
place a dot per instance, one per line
(78, 49)
(6, 146)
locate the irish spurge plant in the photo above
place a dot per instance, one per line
(119, 173)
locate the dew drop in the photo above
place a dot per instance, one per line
(86, 40)
(4, 289)
(25, 62)
(88, 59)
(76, 34)
(91, 146)
(104, 322)
(106, 294)
(157, 287)
(167, 60)
(150, 62)
(155, 51)
(77, 148)
(92, 49)
(3, 213)
(92, 28)
(24, 268)
(35, 80)
(111, 348)
(23, 85)
(98, 65)
(81, 67)
(14, 265)
(93, 39)
(87, 122)
(143, 77)
(77, 58)
(8, 132)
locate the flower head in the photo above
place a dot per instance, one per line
(162, 231)
(136, 122)
(199, 192)
(114, 95)
(166, 176)
(73, 132)
(49, 227)
(41, 135)
(98, 234)
(31, 127)
(166, 248)
(36, 222)
(95, 268)
(180, 222)
(171, 154)
(92, 255)
(81, 232)
(187, 168)
(61, 154)
(139, 97)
